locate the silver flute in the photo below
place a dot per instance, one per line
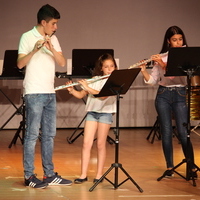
(91, 80)
(148, 60)
(145, 61)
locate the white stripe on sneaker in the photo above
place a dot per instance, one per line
(56, 181)
(32, 184)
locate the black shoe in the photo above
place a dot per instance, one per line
(35, 182)
(96, 180)
(80, 180)
(193, 174)
(56, 180)
(168, 173)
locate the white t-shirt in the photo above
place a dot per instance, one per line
(40, 71)
(95, 104)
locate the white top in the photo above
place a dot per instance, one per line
(40, 71)
(157, 76)
(95, 104)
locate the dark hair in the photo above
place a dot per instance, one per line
(169, 33)
(98, 66)
(47, 13)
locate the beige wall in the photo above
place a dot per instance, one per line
(133, 28)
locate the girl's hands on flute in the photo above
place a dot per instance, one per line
(157, 58)
(70, 88)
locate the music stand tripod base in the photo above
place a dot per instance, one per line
(116, 86)
(115, 183)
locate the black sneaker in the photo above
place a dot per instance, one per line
(56, 180)
(35, 182)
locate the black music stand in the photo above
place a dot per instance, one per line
(11, 72)
(21, 127)
(83, 61)
(118, 83)
(184, 62)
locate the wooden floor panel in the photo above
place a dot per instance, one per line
(142, 160)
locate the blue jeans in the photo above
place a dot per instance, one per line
(172, 102)
(40, 113)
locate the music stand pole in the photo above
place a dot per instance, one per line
(189, 163)
(117, 89)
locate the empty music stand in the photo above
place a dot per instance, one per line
(184, 62)
(10, 69)
(118, 83)
(83, 61)
(11, 72)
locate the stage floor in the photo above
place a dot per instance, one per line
(141, 159)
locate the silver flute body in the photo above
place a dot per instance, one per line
(145, 61)
(92, 80)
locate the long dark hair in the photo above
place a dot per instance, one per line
(169, 33)
(99, 63)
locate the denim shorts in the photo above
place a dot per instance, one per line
(99, 117)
